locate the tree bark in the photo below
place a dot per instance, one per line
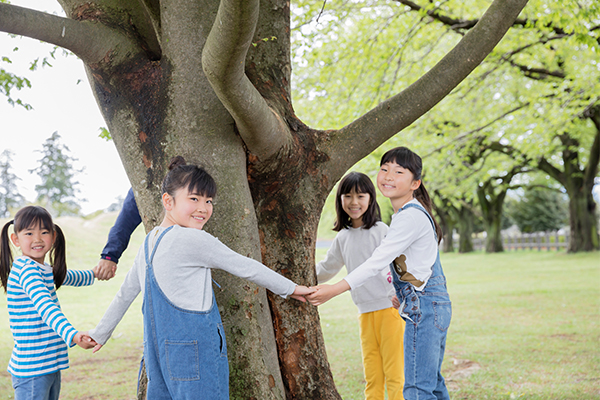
(446, 213)
(448, 229)
(465, 229)
(491, 206)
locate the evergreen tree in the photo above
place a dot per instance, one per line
(10, 198)
(539, 210)
(58, 189)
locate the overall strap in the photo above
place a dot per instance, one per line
(420, 207)
(150, 257)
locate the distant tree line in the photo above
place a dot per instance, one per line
(57, 191)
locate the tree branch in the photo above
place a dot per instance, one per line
(463, 24)
(90, 41)
(551, 170)
(396, 113)
(453, 23)
(478, 129)
(223, 61)
(537, 73)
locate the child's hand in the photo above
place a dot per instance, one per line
(105, 270)
(300, 291)
(325, 293)
(395, 302)
(83, 340)
(98, 347)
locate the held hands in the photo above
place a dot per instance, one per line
(88, 342)
(83, 340)
(105, 270)
(300, 292)
(325, 293)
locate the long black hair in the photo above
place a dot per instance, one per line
(192, 177)
(30, 217)
(359, 183)
(411, 161)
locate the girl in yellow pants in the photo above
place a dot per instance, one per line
(360, 231)
(381, 340)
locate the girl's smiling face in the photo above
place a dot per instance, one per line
(355, 205)
(34, 242)
(396, 183)
(189, 210)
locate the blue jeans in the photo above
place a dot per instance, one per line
(44, 387)
(427, 315)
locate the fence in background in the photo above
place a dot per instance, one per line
(531, 241)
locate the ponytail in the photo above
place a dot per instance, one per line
(24, 218)
(6, 258)
(423, 197)
(58, 258)
(191, 177)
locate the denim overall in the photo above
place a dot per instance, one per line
(184, 351)
(427, 314)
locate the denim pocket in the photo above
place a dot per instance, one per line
(222, 341)
(411, 308)
(442, 311)
(182, 360)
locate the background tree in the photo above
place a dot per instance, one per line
(532, 89)
(10, 198)
(539, 210)
(212, 81)
(58, 189)
(447, 214)
(544, 87)
(576, 170)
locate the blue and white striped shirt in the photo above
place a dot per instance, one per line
(40, 330)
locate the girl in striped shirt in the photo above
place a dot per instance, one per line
(41, 332)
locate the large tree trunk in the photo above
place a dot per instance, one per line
(465, 230)
(584, 230)
(491, 206)
(445, 212)
(579, 181)
(448, 230)
(210, 80)
(493, 240)
(173, 110)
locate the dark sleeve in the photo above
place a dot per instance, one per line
(118, 238)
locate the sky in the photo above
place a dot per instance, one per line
(62, 102)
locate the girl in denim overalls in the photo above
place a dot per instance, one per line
(185, 353)
(410, 249)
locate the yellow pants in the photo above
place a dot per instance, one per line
(382, 343)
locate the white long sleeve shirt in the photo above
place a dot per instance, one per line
(351, 247)
(182, 266)
(410, 242)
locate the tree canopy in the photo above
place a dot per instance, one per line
(533, 97)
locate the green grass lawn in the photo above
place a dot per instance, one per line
(525, 325)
